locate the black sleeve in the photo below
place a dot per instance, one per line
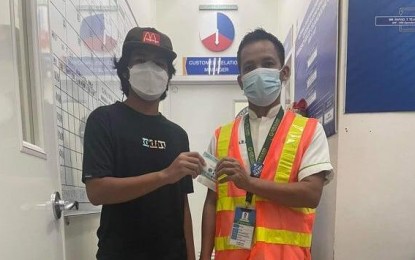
(98, 159)
(186, 183)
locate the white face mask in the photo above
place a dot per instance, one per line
(148, 80)
(262, 86)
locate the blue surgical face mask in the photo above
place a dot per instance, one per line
(262, 86)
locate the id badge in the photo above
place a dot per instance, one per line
(207, 176)
(243, 227)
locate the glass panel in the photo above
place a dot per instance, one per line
(26, 79)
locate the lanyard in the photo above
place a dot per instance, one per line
(257, 164)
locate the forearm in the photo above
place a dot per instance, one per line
(188, 231)
(305, 193)
(208, 226)
(112, 190)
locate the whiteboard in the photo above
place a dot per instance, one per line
(85, 37)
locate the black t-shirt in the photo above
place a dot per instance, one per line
(120, 142)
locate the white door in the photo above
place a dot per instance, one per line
(200, 107)
(28, 157)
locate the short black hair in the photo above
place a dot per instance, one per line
(123, 73)
(260, 34)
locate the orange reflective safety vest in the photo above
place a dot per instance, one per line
(281, 233)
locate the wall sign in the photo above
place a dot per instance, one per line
(210, 66)
(217, 32)
(315, 62)
(380, 56)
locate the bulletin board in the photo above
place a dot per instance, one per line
(316, 62)
(85, 37)
(380, 56)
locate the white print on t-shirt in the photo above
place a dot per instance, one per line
(154, 144)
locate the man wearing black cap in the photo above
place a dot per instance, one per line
(137, 163)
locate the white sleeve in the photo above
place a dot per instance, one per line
(212, 146)
(316, 158)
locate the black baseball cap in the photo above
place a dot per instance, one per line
(150, 38)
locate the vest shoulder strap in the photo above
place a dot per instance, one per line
(224, 137)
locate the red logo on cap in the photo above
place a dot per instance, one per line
(151, 38)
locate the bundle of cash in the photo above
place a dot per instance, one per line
(207, 176)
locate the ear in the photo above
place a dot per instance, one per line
(240, 82)
(285, 73)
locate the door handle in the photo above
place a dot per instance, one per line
(59, 205)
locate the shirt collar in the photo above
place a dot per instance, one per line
(271, 113)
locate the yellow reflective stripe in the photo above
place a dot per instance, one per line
(269, 236)
(258, 198)
(285, 237)
(222, 190)
(221, 243)
(230, 203)
(224, 139)
(305, 211)
(289, 150)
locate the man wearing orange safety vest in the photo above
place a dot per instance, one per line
(272, 169)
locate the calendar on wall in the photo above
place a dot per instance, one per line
(86, 36)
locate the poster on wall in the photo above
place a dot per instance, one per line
(288, 42)
(288, 88)
(381, 56)
(85, 36)
(316, 62)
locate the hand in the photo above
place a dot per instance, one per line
(187, 163)
(233, 171)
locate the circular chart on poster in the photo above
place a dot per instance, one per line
(96, 33)
(217, 32)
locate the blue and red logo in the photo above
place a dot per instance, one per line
(97, 34)
(217, 32)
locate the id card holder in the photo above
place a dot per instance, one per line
(243, 227)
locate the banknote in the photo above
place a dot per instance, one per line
(207, 176)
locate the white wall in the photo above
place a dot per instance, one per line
(80, 237)
(290, 13)
(144, 12)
